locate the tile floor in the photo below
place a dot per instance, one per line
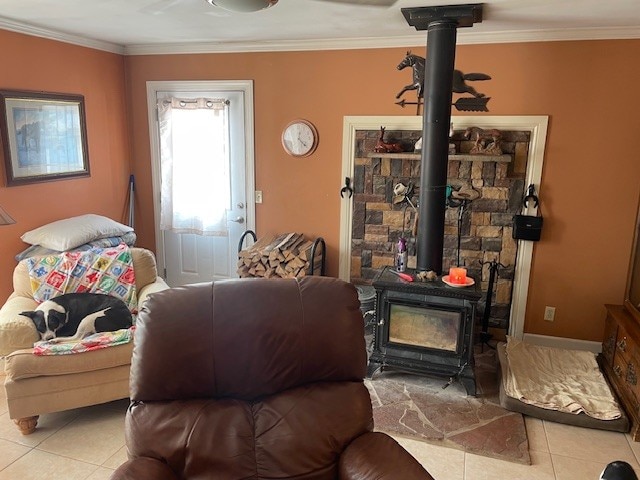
(88, 444)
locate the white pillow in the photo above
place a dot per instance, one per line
(71, 232)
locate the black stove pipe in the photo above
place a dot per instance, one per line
(441, 49)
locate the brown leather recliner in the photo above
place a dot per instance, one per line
(255, 379)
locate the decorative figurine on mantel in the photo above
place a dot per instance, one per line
(384, 147)
(427, 276)
(485, 142)
(459, 85)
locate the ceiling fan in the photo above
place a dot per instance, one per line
(255, 5)
(246, 6)
(379, 3)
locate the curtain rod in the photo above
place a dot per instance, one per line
(195, 100)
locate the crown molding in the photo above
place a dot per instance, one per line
(19, 27)
(465, 37)
(279, 46)
(549, 35)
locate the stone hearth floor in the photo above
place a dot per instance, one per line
(417, 407)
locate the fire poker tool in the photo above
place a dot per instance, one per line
(485, 336)
(404, 276)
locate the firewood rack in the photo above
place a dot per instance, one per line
(319, 246)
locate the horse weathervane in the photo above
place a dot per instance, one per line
(477, 103)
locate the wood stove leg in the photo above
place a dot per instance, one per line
(27, 425)
(469, 385)
(372, 368)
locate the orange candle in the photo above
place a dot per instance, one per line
(458, 275)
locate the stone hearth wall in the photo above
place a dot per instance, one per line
(486, 229)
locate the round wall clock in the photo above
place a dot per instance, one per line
(300, 138)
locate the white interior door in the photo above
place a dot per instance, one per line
(191, 258)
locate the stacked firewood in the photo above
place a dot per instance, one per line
(285, 256)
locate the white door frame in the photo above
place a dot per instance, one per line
(244, 86)
(535, 124)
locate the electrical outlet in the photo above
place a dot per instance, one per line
(549, 313)
(258, 196)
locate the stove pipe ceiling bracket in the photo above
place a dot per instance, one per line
(441, 23)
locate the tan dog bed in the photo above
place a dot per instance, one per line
(620, 424)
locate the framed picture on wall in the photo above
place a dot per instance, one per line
(44, 136)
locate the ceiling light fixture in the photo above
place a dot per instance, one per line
(243, 6)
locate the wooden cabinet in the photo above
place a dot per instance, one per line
(620, 357)
(621, 361)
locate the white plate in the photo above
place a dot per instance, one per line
(469, 282)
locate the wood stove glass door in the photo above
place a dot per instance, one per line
(424, 327)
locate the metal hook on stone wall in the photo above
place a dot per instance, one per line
(346, 188)
(531, 195)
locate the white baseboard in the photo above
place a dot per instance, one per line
(560, 342)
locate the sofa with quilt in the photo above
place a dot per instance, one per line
(44, 383)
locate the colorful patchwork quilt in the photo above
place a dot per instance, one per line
(97, 270)
(92, 342)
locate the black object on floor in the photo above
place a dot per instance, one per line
(618, 470)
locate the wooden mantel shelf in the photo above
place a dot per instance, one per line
(506, 158)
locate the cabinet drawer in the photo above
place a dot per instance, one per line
(626, 373)
(624, 344)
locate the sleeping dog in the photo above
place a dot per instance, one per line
(73, 316)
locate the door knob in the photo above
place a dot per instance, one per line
(238, 220)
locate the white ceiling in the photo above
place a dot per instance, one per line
(181, 26)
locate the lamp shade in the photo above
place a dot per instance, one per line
(5, 218)
(243, 5)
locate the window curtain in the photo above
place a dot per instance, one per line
(194, 164)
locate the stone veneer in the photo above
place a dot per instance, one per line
(486, 222)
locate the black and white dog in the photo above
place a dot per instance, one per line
(73, 316)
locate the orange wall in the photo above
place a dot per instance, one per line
(590, 182)
(590, 185)
(31, 63)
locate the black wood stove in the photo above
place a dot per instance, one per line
(424, 328)
(428, 327)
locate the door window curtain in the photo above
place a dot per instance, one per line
(194, 164)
